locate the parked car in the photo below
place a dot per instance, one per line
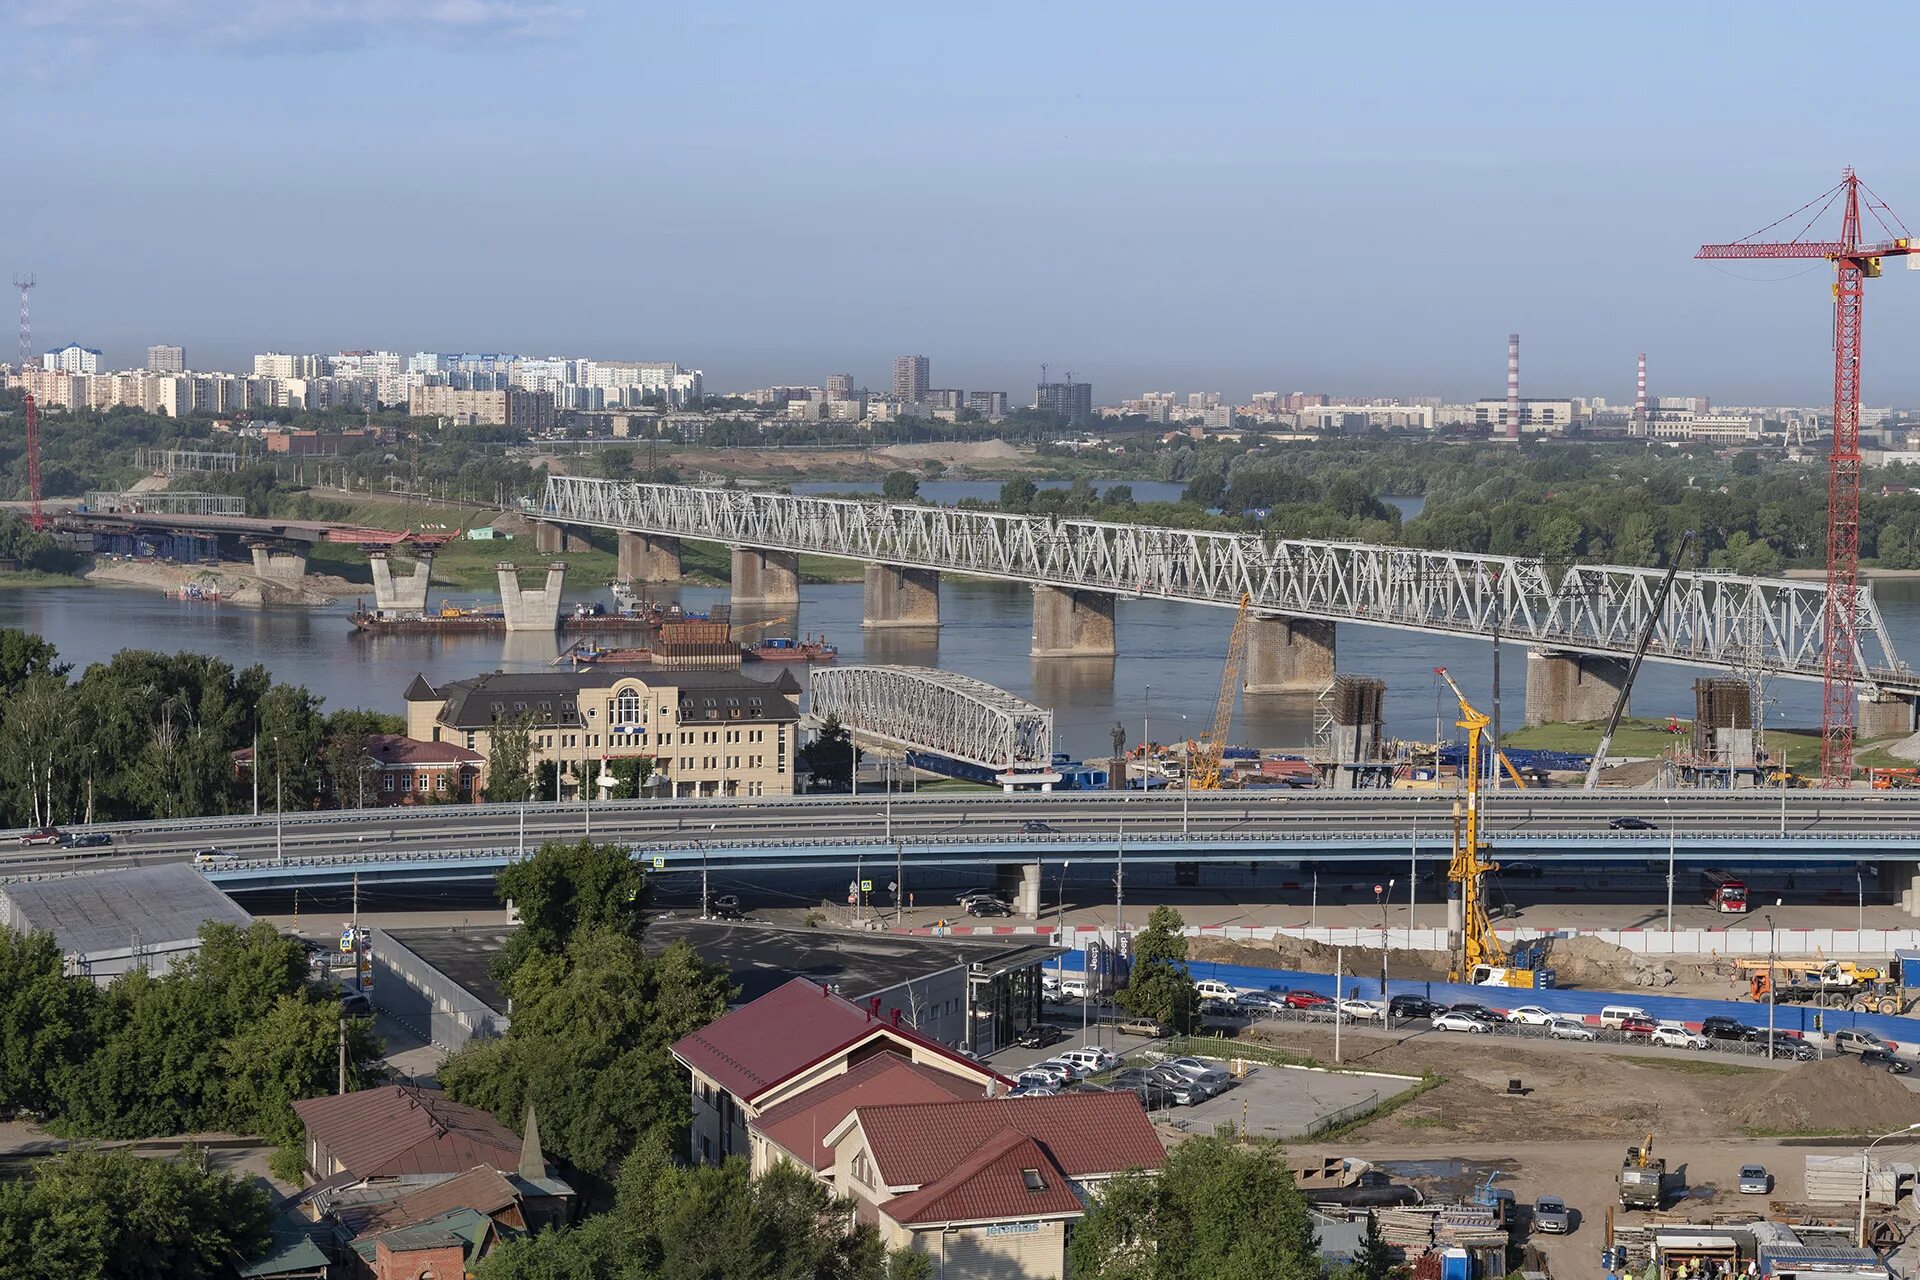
(1886, 1060)
(1474, 1009)
(1036, 1090)
(1213, 989)
(1202, 1076)
(1092, 1058)
(1674, 1036)
(982, 905)
(1550, 1216)
(1611, 1016)
(1064, 1073)
(1629, 823)
(1073, 987)
(1531, 1015)
(1300, 998)
(1452, 1020)
(1365, 1009)
(1177, 1089)
(41, 835)
(1783, 1045)
(1720, 1027)
(1259, 1001)
(1035, 827)
(1040, 1035)
(1638, 1028)
(87, 840)
(1568, 1029)
(1151, 1089)
(1755, 1180)
(1141, 1027)
(726, 906)
(970, 894)
(1034, 1077)
(1412, 1007)
(1854, 1040)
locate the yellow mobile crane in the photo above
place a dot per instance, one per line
(1481, 959)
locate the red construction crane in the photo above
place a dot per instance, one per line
(1854, 261)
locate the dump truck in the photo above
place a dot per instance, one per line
(1643, 1177)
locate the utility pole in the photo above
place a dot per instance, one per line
(355, 926)
(279, 848)
(1339, 1015)
(256, 770)
(343, 1039)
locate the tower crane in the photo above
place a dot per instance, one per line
(1855, 261)
(1203, 765)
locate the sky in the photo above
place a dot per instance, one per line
(1355, 199)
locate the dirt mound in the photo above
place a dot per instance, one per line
(955, 451)
(1317, 957)
(1835, 1095)
(1591, 962)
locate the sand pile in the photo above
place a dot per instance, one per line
(1590, 962)
(1835, 1095)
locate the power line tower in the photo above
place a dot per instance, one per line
(1855, 261)
(35, 519)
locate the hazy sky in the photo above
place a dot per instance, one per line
(1348, 197)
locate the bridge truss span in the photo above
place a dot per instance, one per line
(940, 712)
(1770, 625)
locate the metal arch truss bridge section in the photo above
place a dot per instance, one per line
(944, 714)
(1768, 625)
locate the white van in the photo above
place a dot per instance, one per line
(1073, 988)
(1615, 1014)
(1209, 989)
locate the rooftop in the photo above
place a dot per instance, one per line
(1086, 1134)
(758, 957)
(108, 910)
(552, 697)
(399, 1129)
(1008, 1176)
(801, 1124)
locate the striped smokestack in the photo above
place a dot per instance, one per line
(1513, 386)
(1640, 392)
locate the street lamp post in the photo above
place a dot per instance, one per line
(1864, 1153)
(279, 846)
(1668, 801)
(1860, 889)
(1381, 896)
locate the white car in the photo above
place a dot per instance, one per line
(1459, 1022)
(1210, 989)
(1363, 1008)
(1674, 1036)
(1568, 1029)
(1532, 1015)
(1090, 1059)
(1060, 1073)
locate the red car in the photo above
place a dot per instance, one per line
(1307, 1000)
(1637, 1028)
(44, 835)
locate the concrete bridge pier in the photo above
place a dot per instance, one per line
(531, 608)
(897, 596)
(279, 561)
(1884, 716)
(1068, 623)
(1288, 654)
(649, 557)
(401, 594)
(765, 577)
(552, 539)
(1021, 886)
(1567, 687)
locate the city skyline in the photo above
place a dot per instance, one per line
(1189, 235)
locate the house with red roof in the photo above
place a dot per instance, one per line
(794, 1038)
(988, 1187)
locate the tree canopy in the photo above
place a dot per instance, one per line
(1158, 984)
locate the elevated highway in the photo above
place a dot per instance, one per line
(1024, 831)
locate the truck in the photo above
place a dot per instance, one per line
(1833, 984)
(1643, 1177)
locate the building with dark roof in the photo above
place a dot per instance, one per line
(400, 1131)
(704, 732)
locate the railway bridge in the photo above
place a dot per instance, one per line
(1581, 622)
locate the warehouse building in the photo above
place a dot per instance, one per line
(112, 922)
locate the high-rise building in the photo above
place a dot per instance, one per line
(991, 405)
(72, 358)
(912, 377)
(1071, 400)
(166, 359)
(839, 386)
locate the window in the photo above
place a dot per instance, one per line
(470, 746)
(440, 784)
(1032, 1181)
(406, 782)
(386, 782)
(627, 708)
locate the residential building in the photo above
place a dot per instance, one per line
(839, 386)
(912, 377)
(1070, 400)
(1336, 417)
(279, 364)
(795, 1037)
(991, 405)
(162, 358)
(629, 384)
(949, 399)
(531, 411)
(398, 770)
(705, 732)
(401, 1130)
(72, 358)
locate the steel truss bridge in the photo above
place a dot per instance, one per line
(921, 709)
(1770, 626)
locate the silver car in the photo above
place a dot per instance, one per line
(1755, 1180)
(1550, 1216)
(1568, 1029)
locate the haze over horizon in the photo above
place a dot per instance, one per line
(1227, 197)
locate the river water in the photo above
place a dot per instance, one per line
(1168, 671)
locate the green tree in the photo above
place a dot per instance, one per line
(831, 755)
(291, 730)
(1158, 985)
(1215, 1211)
(117, 1216)
(45, 1021)
(1375, 1261)
(1635, 544)
(900, 486)
(37, 731)
(291, 1053)
(567, 889)
(1018, 494)
(510, 775)
(24, 654)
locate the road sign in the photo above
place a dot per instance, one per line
(866, 886)
(893, 886)
(659, 862)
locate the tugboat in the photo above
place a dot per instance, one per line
(784, 649)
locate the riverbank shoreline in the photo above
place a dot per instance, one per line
(234, 585)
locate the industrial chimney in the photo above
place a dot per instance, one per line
(1513, 386)
(1640, 392)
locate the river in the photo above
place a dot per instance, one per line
(1168, 671)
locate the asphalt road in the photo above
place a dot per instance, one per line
(1534, 824)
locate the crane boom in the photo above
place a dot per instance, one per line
(1633, 668)
(1203, 771)
(1478, 944)
(1855, 261)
